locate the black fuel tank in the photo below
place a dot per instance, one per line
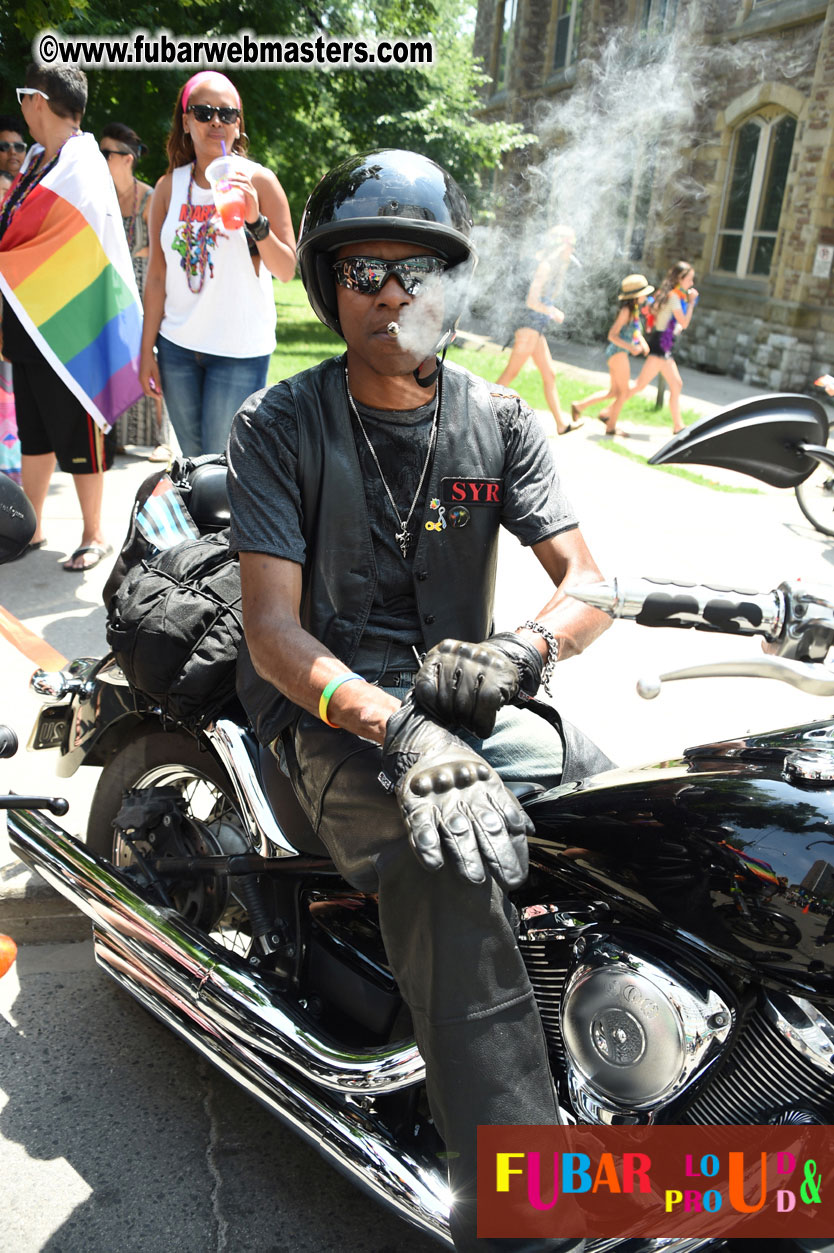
(731, 845)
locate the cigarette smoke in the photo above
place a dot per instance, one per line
(618, 160)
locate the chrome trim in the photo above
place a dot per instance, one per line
(811, 677)
(590, 1108)
(811, 767)
(239, 1003)
(657, 1244)
(814, 1038)
(558, 922)
(263, 829)
(56, 684)
(351, 1136)
(656, 1010)
(810, 610)
(49, 684)
(130, 932)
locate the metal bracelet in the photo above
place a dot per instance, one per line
(552, 651)
(259, 229)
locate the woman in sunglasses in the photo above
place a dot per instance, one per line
(12, 145)
(209, 304)
(146, 422)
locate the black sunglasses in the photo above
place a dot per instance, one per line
(6, 144)
(367, 274)
(107, 153)
(205, 113)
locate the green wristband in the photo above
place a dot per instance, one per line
(324, 699)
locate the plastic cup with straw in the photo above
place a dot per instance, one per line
(229, 199)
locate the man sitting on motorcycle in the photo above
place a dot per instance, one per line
(366, 496)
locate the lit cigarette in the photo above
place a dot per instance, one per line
(393, 329)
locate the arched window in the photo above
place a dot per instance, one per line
(753, 196)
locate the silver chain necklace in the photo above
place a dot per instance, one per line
(403, 535)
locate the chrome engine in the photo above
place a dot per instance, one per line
(643, 1041)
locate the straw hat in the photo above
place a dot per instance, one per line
(635, 287)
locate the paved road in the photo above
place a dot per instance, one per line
(115, 1135)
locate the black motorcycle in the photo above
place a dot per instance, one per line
(672, 965)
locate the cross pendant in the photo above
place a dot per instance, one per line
(403, 538)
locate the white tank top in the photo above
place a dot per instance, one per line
(234, 313)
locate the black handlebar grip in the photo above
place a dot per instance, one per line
(720, 613)
(8, 742)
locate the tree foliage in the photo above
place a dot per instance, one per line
(300, 122)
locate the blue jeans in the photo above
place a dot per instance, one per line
(204, 392)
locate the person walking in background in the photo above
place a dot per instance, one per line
(12, 145)
(146, 422)
(625, 340)
(12, 152)
(538, 314)
(209, 302)
(9, 439)
(674, 305)
(72, 315)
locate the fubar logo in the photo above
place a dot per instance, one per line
(654, 1182)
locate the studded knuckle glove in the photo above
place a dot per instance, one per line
(464, 685)
(454, 804)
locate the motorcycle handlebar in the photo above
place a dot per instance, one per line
(56, 805)
(704, 607)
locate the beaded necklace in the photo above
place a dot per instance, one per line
(130, 221)
(202, 243)
(21, 190)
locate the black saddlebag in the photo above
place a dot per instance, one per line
(175, 627)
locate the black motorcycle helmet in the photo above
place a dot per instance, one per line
(388, 194)
(17, 520)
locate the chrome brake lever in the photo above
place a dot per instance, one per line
(807, 677)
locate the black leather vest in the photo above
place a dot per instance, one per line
(454, 566)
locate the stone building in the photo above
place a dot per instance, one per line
(753, 204)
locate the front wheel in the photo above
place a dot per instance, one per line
(210, 825)
(815, 498)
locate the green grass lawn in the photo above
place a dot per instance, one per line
(303, 341)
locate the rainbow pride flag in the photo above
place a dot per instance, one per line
(761, 869)
(65, 269)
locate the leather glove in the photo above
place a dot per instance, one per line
(453, 802)
(464, 685)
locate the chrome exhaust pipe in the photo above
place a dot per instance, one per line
(346, 1133)
(226, 1011)
(221, 1008)
(239, 1002)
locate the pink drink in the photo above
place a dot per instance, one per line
(230, 205)
(230, 201)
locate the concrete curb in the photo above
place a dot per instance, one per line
(32, 912)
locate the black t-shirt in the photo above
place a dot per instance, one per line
(266, 502)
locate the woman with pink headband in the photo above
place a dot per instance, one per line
(209, 304)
